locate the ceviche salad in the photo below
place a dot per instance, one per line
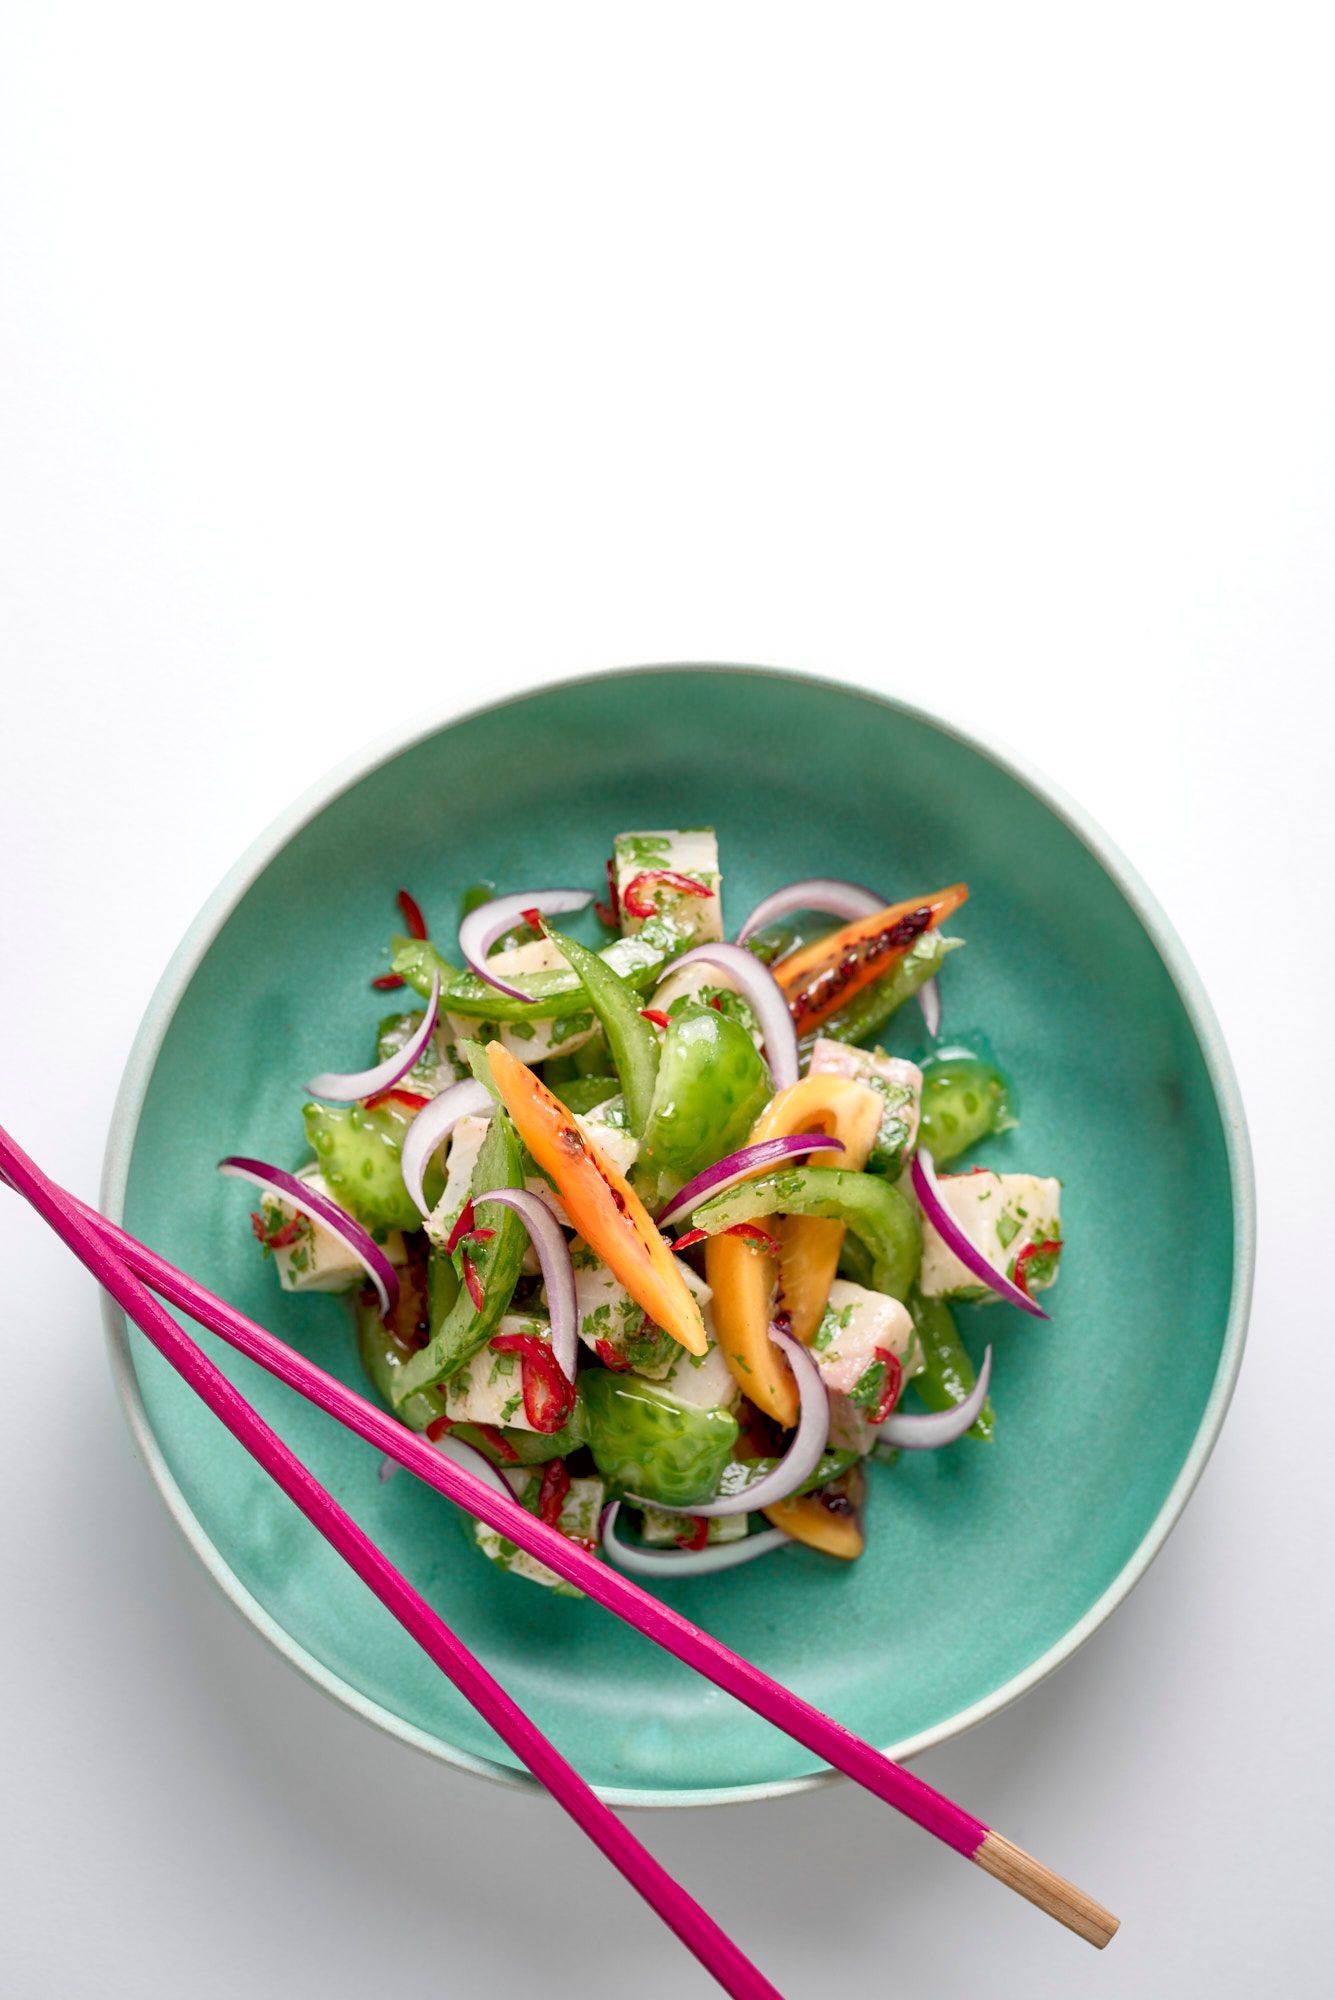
(646, 1231)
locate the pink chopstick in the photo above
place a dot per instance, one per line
(737, 1676)
(693, 1925)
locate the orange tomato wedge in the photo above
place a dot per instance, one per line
(848, 1111)
(807, 1518)
(742, 1275)
(825, 976)
(604, 1208)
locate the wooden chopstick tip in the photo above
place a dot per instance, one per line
(1047, 1890)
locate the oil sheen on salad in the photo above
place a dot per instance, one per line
(673, 1231)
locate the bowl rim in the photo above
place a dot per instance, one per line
(218, 907)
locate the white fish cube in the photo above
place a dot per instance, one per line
(703, 1380)
(531, 1041)
(897, 1082)
(318, 1259)
(606, 1130)
(689, 851)
(581, 1511)
(489, 1388)
(1001, 1214)
(855, 1323)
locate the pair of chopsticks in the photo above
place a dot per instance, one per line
(127, 1269)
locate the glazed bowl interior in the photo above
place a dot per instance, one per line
(985, 1564)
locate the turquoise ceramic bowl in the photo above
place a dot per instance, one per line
(986, 1567)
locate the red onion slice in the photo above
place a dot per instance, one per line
(558, 1273)
(798, 1462)
(929, 1433)
(667, 1563)
(432, 1126)
(831, 898)
(739, 1166)
(299, 1195)
(929, 999)
(769, 1003)
(481, 927)
(346, 1089)
(928, 1190)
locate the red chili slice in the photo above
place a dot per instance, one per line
(755, 1234)
(548, 1396)
(388, 981)
(609, 1357)
(716, 1002)
(655, 1015)
(533, 918)
(473, 1282)
(552, 1492)
(894, 1384)
(1030, 1251)
(499, 1443)
(287, 1233)
(609, 912)
(467, 1220)
(412, 1099)
(698, 1535)
(691, 1238)
(438, 1427)
(414, 921)
(685, 885)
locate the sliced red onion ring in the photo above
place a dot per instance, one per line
(928, 1190)
(346, 1089)
(308, 1201)
(769, 1003)
(558, 1273)
(481, 927)
(929, 1433)
(666, 1563)
(739, 1166)
(929, 999)
(433, 1125)
(798, 1462)
(831, 898)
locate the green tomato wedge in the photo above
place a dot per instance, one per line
(358, 1152)
(883, 1219)
(497, 1261)
(644, 1441)
(582, 1094)
(712, 1086)
(964, 1098)
(631, 1039)
(947, 1372)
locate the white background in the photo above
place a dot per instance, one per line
(361, 360)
